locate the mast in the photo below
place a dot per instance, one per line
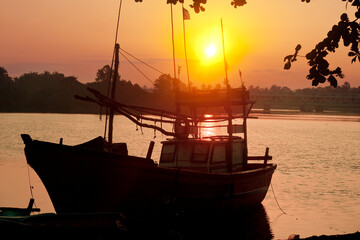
(111, 68)
(173, 43)
(186, 59)
(175, 81)
(113, 92)
(245, 114)
(228, 108)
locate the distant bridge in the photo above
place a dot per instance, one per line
(318, 103)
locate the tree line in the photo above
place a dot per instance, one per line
(343, 90)
(54, 92)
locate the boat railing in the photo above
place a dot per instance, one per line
(264, 158)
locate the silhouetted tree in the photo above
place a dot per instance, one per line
(217, 86)
(7, 91)
(345, 89)
(103, 74)
(3, 72)
(49, 92)
(163, 84)
(347, 30)
(4, 77)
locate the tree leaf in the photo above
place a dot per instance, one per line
(287, 66)
(288, 57)
(332, 80)
(356, 3)
(311, 55)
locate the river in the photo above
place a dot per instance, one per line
(315, 189)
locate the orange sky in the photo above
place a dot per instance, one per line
(77, 37)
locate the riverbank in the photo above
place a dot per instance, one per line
(297, 112)
(298, 115)
(349, 236)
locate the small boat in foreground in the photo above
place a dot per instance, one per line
(63, 226)
(18, 212)
(194, 173)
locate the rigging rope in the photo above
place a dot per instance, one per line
(141, 61)
(158, 115)
(30, 185)
(276, 199)
(137, 68)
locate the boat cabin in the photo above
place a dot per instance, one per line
(205, 155)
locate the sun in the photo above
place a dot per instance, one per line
(210, 51)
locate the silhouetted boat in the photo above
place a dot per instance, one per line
(195, 173)
(18, 212)
(63, 226)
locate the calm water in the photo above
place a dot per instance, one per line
(317, 181)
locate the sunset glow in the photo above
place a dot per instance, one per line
(77, 39)
(210, 51)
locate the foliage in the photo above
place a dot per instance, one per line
(7, 88)
(103, 74)
(54, 93)
(198, 4)
(163, 85)
(349, 32)
(344, 89)
(291, 58)
(4, 77)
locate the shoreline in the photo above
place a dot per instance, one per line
(348, 236)
(298, 115)
(298, 112)
(256, 111)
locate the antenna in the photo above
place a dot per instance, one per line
(240, 74)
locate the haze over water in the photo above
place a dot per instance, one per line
(316, 182)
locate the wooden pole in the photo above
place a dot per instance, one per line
(186, 60)
(229, 110)
(112, 62)
(225, 63)
(173, 43)
(113, 92)
(245, 115)
(150, 150)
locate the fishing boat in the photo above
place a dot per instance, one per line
(194, 172)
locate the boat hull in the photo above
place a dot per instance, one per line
(83, 180)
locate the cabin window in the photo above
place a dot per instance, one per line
(184, 152)
(219, 154)
(237, 153)
(200, 153)
(167, 153)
